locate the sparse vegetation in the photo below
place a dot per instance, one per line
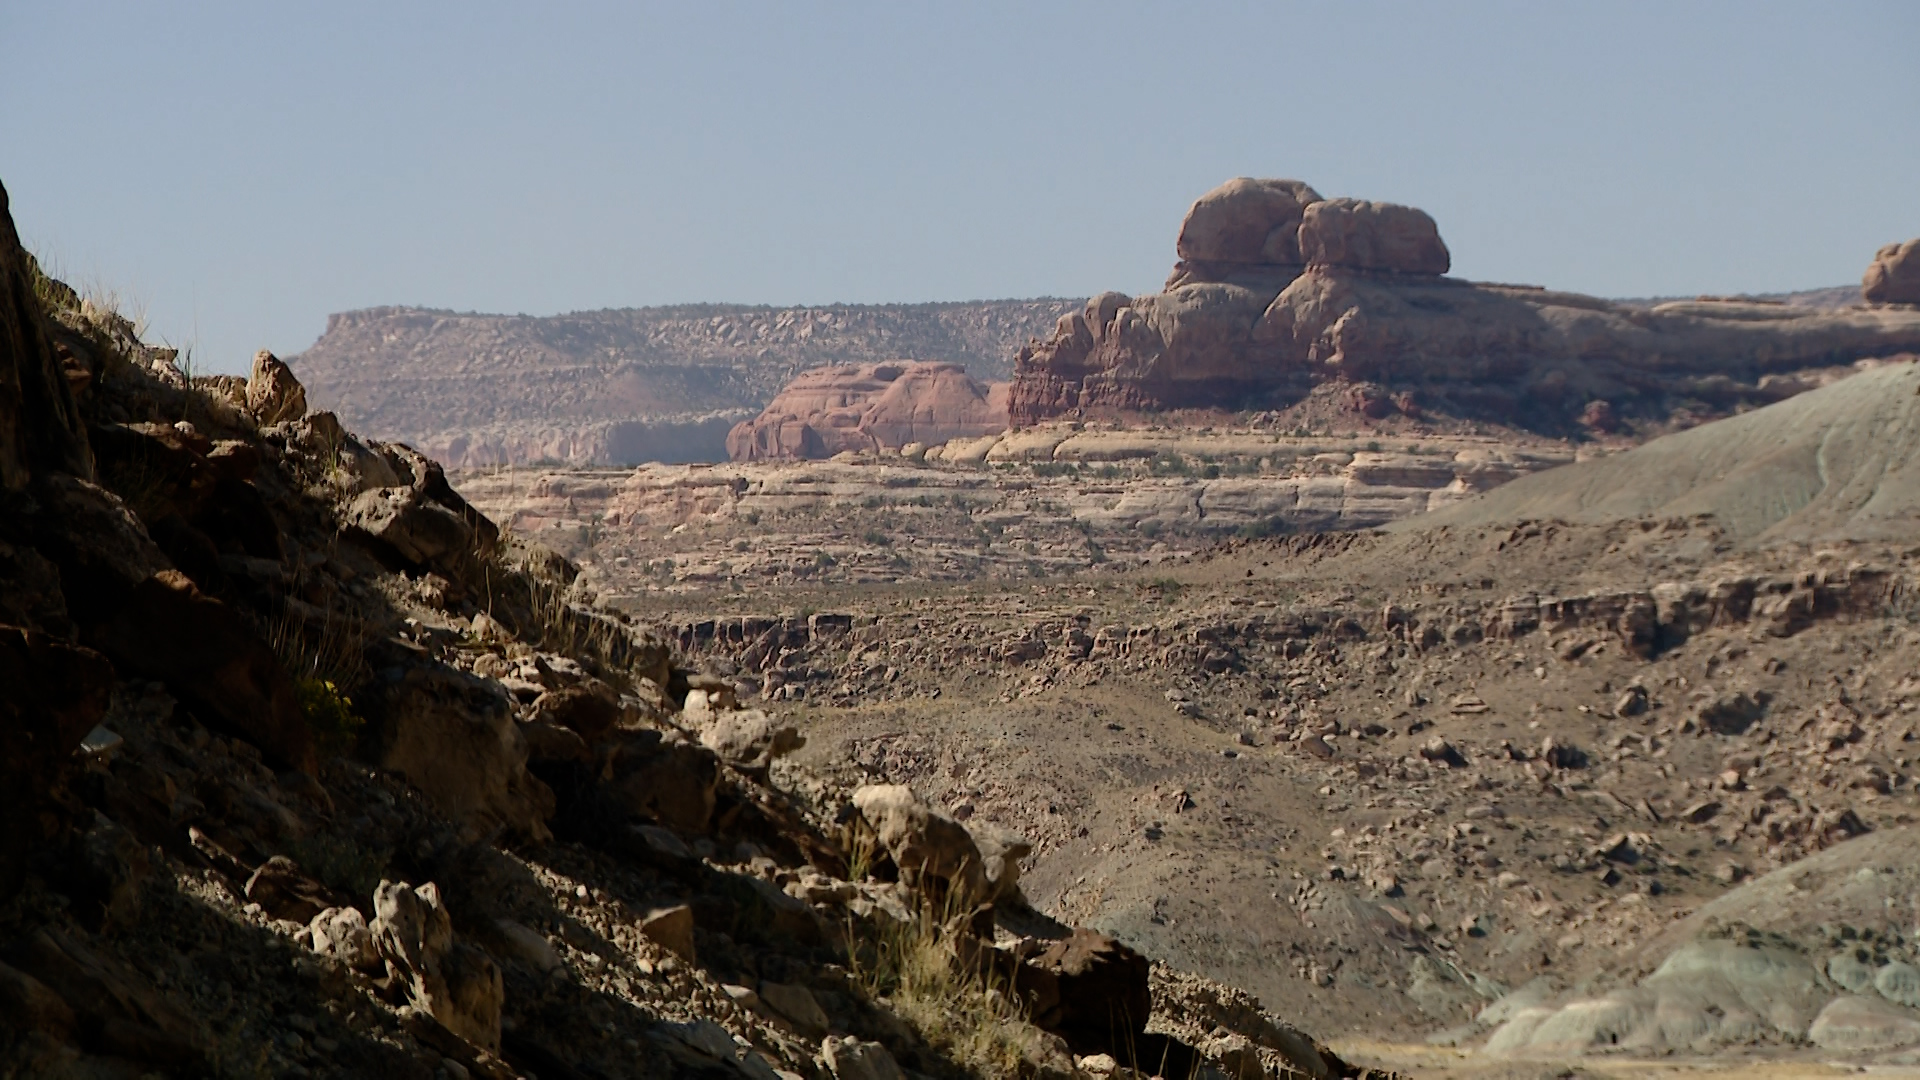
(329, 715)
(965, 1015)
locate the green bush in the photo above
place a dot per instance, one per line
(329, 715)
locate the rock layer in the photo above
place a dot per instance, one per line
(871, 407)
(621, 387)
(1278, 290)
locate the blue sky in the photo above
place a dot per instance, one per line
(238, 171)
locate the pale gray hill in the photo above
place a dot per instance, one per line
(1842, 461)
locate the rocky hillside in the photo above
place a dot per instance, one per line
(1279, 291)
(1620, 767)
(611, 387)
(311, 772)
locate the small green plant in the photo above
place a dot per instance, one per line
(1374, 445)
(329, 715)
(877, 538)
(340, 862)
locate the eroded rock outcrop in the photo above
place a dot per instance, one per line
(1894, 275)
(871, 407)
(1279, 290)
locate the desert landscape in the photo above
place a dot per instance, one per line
(1322, 666)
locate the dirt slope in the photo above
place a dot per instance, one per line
(1840, 461)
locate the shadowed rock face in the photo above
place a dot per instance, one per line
(40, 427)
(1278, 290)
(871, 407)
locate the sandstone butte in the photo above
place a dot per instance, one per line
(868, 407)
(1278, 290)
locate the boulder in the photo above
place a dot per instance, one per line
(420, 530)
(524, 943)
(749, 740)
(1355, 234)
(1000, 853)
(274, 396)
(342, 933)
(587, 710)
(1246, 220)
(283, 892)
(456, 984)
(672, 929)
(1089, 989)
(849, 1058)
(421, 521)
(797, 1005)
(870, 407)
(452, 735)
(670, 781)
(1894, 275)
(933, 851)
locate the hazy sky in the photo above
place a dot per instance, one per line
(241, 170)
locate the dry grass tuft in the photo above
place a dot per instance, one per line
(968, 1017)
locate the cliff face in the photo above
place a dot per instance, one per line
(871, 407)
(1278, 290)
(621, 387)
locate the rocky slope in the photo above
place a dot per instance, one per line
(867, 407)
(1278, 291)
(645, 384)
(312, 772)
(1539, 789)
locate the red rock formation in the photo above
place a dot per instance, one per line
(871, 407)
(1278, 290)
(1894, 275)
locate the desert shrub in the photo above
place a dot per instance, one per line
(1267, 526)
(341, 863)
(329, 715)
(970, 1018)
